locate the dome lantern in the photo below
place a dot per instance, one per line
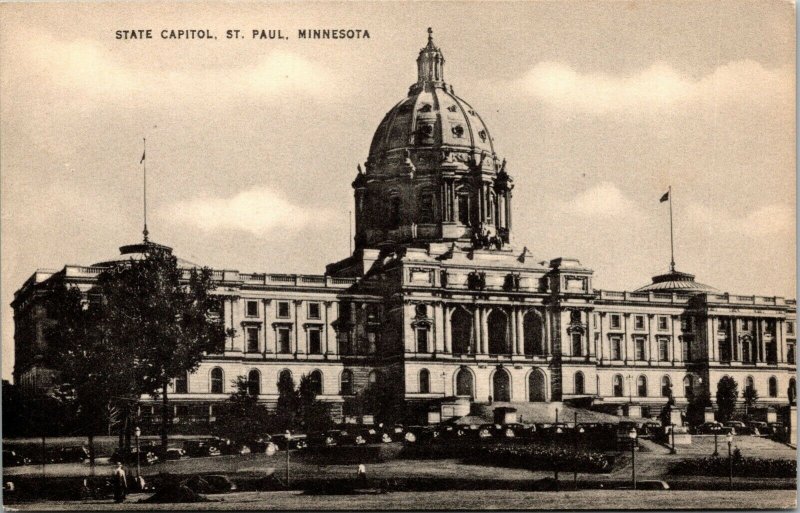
(430, 63)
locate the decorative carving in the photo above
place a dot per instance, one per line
(476, 280)
(511, 283)
(483, 239)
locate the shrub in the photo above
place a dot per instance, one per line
(744, 467)
(537, 456)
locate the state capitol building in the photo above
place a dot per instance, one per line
(439, 299)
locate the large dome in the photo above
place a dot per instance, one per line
(432, 115)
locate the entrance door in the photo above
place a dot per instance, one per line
(536, 389)
(501, 385)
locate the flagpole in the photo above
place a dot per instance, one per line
(144, 175)
(671, 237)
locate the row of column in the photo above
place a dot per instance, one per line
(629, 337)
(733, 338)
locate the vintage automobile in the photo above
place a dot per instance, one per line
(710, 428)
(200, 448)
(737, 427)
(14, 459)
(147, 456)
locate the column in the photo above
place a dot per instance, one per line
(780, 340)
(476, 330)
(712, 338)
(326, 340)
(674, 344)
(299, 348)
(236, 322)
(484, 331)
(548, 333)
(227, 317)
(759, 341)
(448, 333)
(513, 322)
(628, 340)
(521, 331)
(268, 346)
(601, 353)
(438, 339)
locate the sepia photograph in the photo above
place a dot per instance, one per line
(383, 255)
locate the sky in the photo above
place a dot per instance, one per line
(252, 144)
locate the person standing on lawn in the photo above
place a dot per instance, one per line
(120, 483)
(362, 474)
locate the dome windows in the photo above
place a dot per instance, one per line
(458, 131)
(452, 108)
(482, 135)
(426, 107)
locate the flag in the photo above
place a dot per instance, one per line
(664, 198)
(143, 152)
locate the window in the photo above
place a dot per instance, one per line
(313, 311)
(424, 381)
(618, 392)
(594, 320)
(421, 311)
(252, 340)
(687, 326)
(458, 131)
(615, 321)
(374, 377)
(746, 325)
(394, 212)
(638, 322)
(284, 340)
(577, 343)
(688, 386)
(662, 323)
(748, 383)
(666, 387)
(426, 208)
(663, 349)
(579, 384)
(347, 382)
(463, 209)
(422, 340)
(315, 380)
(640, 348)
(283, 309)
(181, 384)
(790, 353)
(254, 382)
(687, 350)
(251, 309)
(216, 380)
(641, 386)
(616, 348)
(314, 341)
(790, 327)
(773, 387)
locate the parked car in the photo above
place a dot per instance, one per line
(14, 459)
(710, 428)
(74, 454)
(737, 427)
(200, 448)
(298, 441)
(148, 457)
(652, 484)
(758, 427)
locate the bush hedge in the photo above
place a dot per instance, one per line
(742, 467)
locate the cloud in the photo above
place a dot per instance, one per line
(258, 211)
(604, 200)
(85, 67)
(767, 220)
(656, 87)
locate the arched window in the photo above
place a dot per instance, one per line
(182, 384)
(577, 343)
(641, 386)
(463, 208)
(374, 377)
(532, 333)
(666, 386)
(537, 390)
(618, 390)
(422, 338)
(315, 379)
(426, 213)
(579, 386)
(749, 383)
(216, 380)
(347, 382)
(688, 386)
(501, 385)
(464, 384)
(424, 381)
(773, 386)
(254, 382)
(498, 332)
(462, 332)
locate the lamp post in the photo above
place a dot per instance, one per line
(672, 433)
(632, 435)
(716, 430)
(137, 433)
(729, 439)
(578, 433)
(288, 446)
(558, 432)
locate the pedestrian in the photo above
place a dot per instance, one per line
(120, 483)
(362, 474)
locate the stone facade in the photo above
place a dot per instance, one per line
(438, 302)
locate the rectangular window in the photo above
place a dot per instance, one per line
(616, 348)
(252, 309)
(313, 311)
(615, 321)
(577, 343)
(594, 320)
(252, 340)
(422, 340)
(284, 340)
(663, 349)
(662, 323)
(640, 348)
(463, 209)
(790, 327)
(686, 324)
(687, 351)
(790, 353)
(426, 209)
(314, 345)
(638, 322)
(283, 309)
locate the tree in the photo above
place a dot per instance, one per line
(314, 415)
(169, 323)
(383, 400)
(727, 393)
(242, 418)
(696, 410)
(288, 402)
(750, 396)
